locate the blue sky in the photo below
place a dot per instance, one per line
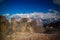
(27, 6)
(44, 9)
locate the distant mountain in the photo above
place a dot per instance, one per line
(54, 24)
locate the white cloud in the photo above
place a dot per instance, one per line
(20, 15)
(36, 15)
(6, 14)
(50, 10)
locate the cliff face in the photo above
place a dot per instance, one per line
(31, 26)
(4, 24)
(26, 25)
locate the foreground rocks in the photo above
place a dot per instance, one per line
(25, 30)
(33, 36)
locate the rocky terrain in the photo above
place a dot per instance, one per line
(33, 36)
(27, 30)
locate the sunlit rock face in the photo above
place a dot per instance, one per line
(14, 24)
(26, 25)
(26, 28)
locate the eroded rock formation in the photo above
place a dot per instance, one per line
(4, 24)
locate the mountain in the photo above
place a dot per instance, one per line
(54, 24)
